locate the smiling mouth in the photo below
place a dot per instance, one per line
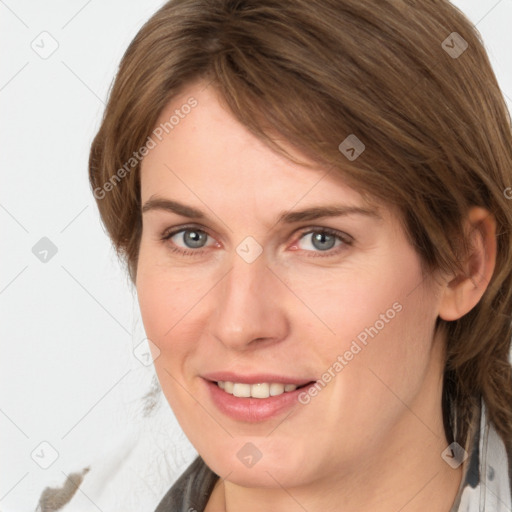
(259, 390)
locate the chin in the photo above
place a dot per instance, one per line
(272, 470)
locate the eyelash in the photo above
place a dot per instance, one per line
(343, 237)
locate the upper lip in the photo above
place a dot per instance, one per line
(255, 378)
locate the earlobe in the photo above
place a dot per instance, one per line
(463, 291)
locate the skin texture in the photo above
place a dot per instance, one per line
(372, 437)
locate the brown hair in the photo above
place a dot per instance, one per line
(424, 101)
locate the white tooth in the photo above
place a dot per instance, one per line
(260, 390)
(276, 389)
(241, 390)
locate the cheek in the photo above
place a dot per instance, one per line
(377, 324)
(385, 375)
(165, 307)
(156, 307)
(164, 293)
(165, 304)
(360, 301)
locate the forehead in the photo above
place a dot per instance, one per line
(204, 155)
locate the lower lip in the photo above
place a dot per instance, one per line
(250, 409)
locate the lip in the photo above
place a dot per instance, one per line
(255, 378)
(253, 410)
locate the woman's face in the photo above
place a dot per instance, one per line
(255, 270)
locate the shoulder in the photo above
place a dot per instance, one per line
(487, 478)
(191, 490)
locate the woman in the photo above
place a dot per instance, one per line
(311, 198)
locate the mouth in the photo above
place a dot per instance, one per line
(259, 390)
(254, 398)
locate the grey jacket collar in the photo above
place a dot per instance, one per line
(487, 471)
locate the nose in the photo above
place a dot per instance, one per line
(250, 309)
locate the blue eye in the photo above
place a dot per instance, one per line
(187, 238)
(323, 240)
(191, 241)
(194, 238)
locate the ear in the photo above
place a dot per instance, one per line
(463, 291)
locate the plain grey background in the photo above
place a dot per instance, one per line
(69, 318)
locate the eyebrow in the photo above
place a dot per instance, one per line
(289, 217)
